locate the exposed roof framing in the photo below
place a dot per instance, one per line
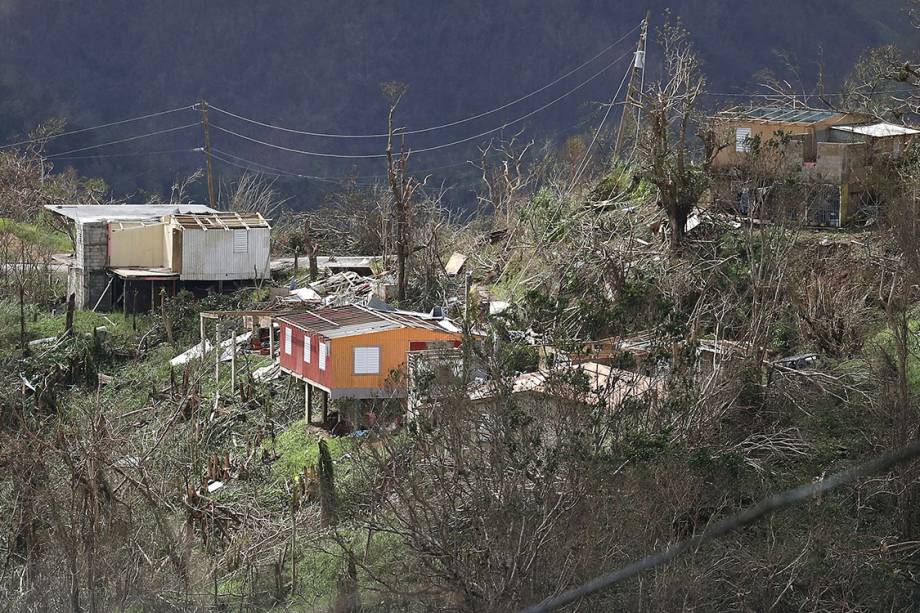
(782, 114)
(222, 221)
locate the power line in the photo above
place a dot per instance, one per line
(583, 165)
(124, 140)
(124, 155)
(338, 179)
(99, 127)
(438, 127)
(437, 147)
(765, 507)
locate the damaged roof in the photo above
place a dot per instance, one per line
(221, 221)
(354, 320)
(605, 384)
(784, 114)
(91, 213)
(878, 130)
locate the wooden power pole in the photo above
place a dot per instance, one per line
(207, 153)
(632, 107)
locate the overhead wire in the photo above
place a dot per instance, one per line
(766, 506)
(123, 155)
(99, 127)
(583, 165)
(436, 147)
(123, 140)
(253, 165)
(437, 127)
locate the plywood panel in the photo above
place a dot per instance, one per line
(140, 246)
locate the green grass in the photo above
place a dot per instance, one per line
(43, 324)
(883, 342)
(38, 235)
(300, 450)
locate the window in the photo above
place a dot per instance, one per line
(367, 361)
(743, 140)
(240, 241)
(287, 341)
(307, 346)
(323, 353)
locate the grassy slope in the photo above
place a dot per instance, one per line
(38, 235)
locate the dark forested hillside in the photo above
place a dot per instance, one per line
(318, 65)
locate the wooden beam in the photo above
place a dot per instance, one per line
(233, 364)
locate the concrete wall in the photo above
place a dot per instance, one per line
(841, 162)
(92, 245)
(86, 278)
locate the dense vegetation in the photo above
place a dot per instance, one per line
(129, 484)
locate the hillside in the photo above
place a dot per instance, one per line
(318, 65)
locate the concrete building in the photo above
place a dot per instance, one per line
(124, 254)
(830, 153)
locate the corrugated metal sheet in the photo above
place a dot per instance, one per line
(212, 255)
(879, 130)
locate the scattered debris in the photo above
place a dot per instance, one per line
(27, 383)
(455, 264)
(497, 307)
(798, 362)
(304, 294)
(195, 351)
(267, 373)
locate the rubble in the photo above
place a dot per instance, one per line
(195, 351)
(455, 264)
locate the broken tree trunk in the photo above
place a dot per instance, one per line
(71, 307)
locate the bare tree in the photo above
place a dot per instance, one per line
(669, 158)
(402, 186)
(253, 193)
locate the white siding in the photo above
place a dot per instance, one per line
(214, 255)
(367, 361)
(240, 241)
(743, 140)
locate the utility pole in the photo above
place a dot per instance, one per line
(632, 107)
(207, 153)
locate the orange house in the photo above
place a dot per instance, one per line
(352, 351)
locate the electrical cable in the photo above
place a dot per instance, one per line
(437, 147)
(338, 179)
(431, 128)
(123, 155)
(748, 516)
(124, 140)
(583, 165)
(99, 127)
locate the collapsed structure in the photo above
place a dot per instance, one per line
(123, 254)
(833, 153)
